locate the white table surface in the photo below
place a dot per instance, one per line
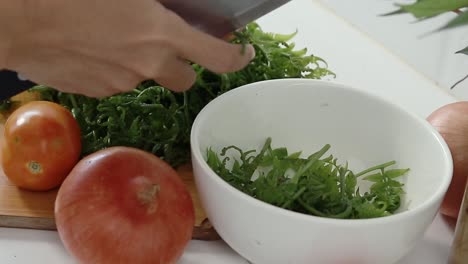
(358, 61)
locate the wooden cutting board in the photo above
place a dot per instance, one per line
(35, 210)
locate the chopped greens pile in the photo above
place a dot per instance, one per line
(157, 120)
(315, 185)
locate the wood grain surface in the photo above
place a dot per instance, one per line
(35, 210)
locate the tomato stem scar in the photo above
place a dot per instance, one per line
(147, 197)
(34, 167)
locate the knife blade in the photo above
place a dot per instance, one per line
(221, 17)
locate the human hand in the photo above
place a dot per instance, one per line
(100, 48)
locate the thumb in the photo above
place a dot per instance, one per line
(210, 52)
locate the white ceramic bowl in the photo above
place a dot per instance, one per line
(304, 115)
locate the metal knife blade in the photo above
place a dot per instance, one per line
(221, 17)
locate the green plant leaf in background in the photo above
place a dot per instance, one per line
(423, 9)
(460, 20)
(463, 51)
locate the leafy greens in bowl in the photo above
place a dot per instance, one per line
(314, 184)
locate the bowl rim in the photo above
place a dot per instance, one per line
(197, 155)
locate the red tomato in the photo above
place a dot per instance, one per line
(41, 144)
(124, 205)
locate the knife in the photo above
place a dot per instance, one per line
(215, 17)
(221, 17)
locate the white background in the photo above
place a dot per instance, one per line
(432, 55)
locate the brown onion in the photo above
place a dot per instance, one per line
(451, 121)
(122, 206)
